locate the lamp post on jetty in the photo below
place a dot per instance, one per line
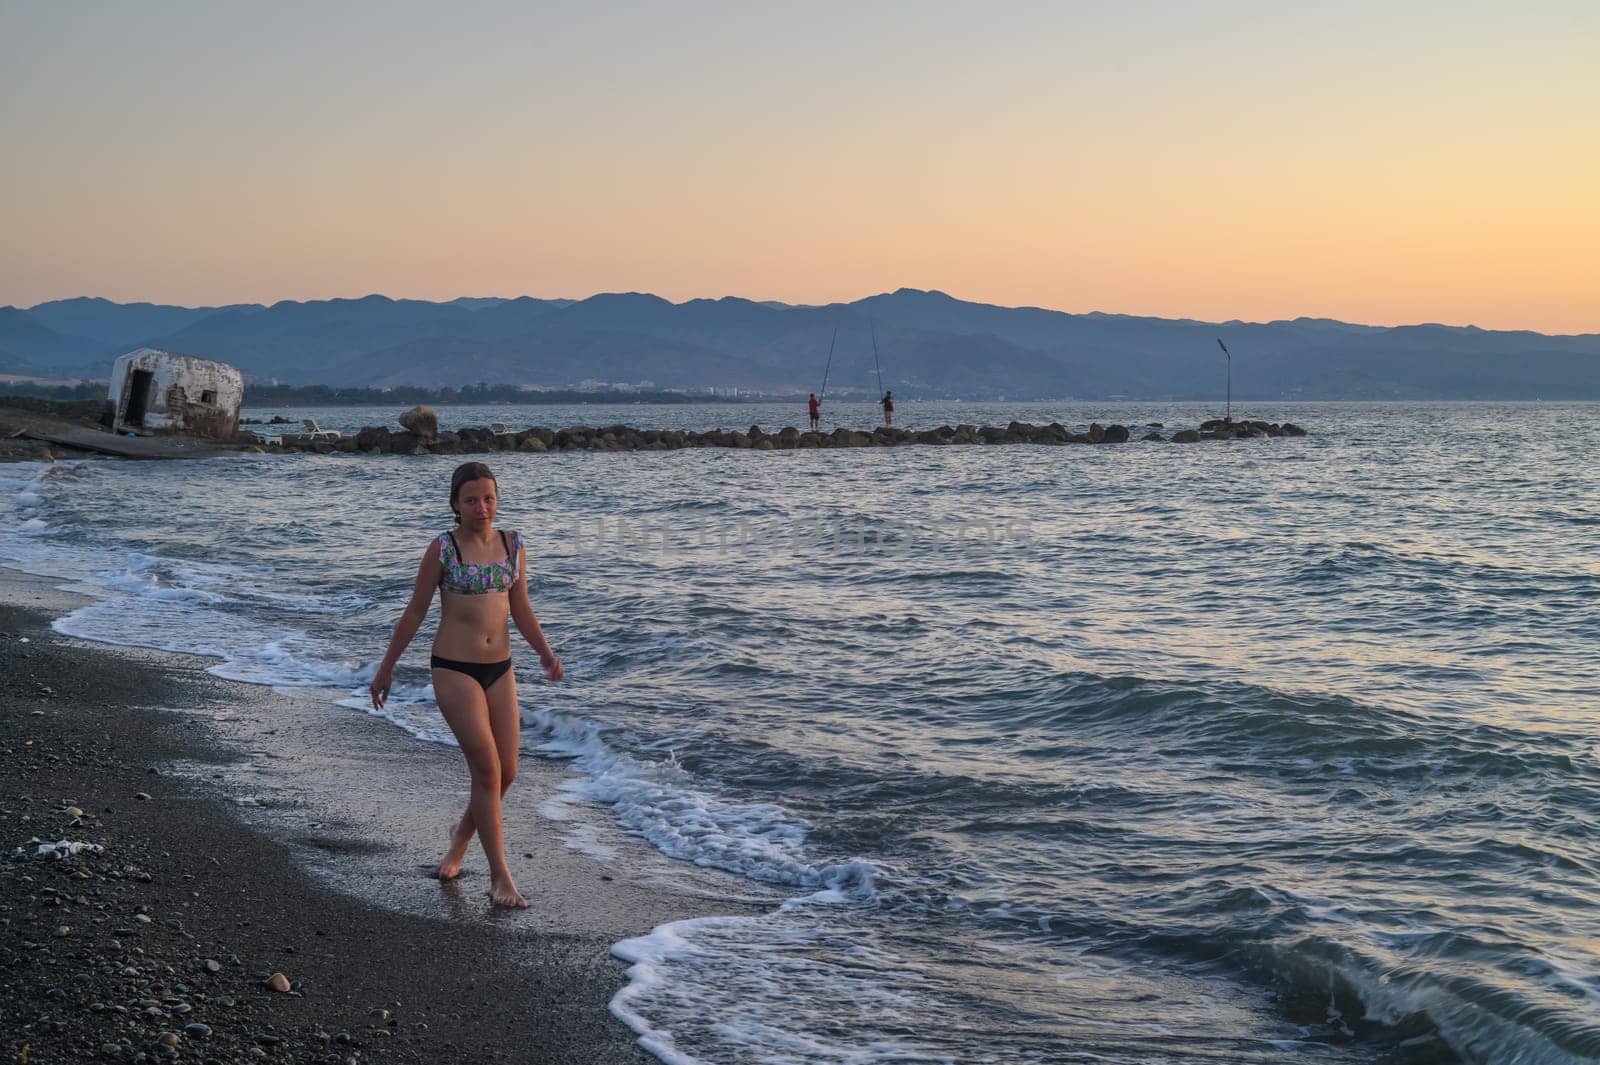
(1227, 417)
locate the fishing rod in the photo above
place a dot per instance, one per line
(875, 361)
(824, 394)
(1228, 417)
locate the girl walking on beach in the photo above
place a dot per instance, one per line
(481, 575)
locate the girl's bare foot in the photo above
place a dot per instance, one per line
(504, 893)
(460, 840)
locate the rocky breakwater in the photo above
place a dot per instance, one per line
(379, 440)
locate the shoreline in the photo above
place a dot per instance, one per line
(255, 851)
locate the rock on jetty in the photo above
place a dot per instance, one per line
(378, 440)
(422, 421)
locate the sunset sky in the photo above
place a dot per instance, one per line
(1375, 162)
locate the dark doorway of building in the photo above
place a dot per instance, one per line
(138, 397)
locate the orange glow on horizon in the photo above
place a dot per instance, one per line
(1379, 167)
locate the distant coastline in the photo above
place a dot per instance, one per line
(493, 395)
(924, 345)
(257, 396)
(270, 397)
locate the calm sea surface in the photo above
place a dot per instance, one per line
(1258, 751)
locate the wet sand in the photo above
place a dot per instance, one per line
(248, 832)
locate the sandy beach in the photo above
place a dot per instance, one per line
(161, 945)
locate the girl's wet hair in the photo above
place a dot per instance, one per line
(468, 471)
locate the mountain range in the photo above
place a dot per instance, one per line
(927, 344)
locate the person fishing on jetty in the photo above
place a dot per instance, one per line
(481, 575)
(816, 411)
(887, 402)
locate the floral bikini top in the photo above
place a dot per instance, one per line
(464, 579)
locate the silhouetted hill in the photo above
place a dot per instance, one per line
(27, 346)
(122, 325)
(511, 318)
(302, 341)
(928, 344)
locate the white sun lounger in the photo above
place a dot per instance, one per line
(315, 432)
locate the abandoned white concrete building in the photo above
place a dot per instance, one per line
(157, 391)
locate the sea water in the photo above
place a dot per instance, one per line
(1257, 751)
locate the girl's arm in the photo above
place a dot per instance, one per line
(527, 624)
(410, 620)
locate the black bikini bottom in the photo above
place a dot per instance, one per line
(485, 673)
